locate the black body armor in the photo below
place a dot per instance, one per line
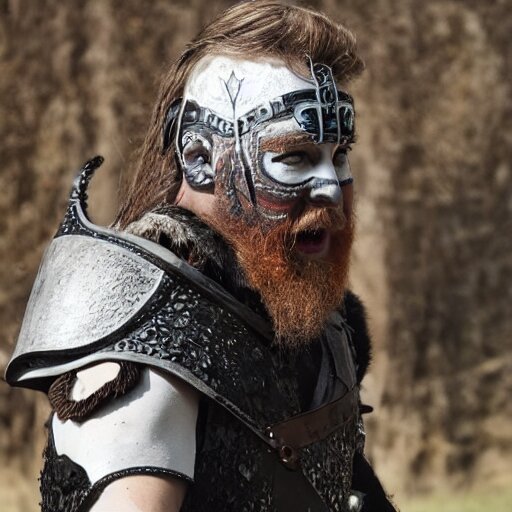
(259, 448)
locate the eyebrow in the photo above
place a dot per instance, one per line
(287, 142)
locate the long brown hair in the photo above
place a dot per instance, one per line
(248, 29)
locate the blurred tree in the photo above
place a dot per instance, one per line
(433, 167)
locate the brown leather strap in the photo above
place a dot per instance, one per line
(289, 436)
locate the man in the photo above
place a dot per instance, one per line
(206, 355)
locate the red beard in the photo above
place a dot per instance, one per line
(299, 293)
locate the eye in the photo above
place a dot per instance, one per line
(293, 158)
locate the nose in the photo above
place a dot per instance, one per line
(325, 188)
(325, 193)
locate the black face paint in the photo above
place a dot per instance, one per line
(326, 119)
(330, 118)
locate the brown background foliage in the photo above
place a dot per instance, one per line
(433, 259)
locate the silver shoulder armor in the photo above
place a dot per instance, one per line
(86, 290)
(95, 285)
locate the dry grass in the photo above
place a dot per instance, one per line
(483, 501)
(17, 492)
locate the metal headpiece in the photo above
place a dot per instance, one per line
(325, 112)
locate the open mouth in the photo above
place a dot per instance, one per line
(312, 241)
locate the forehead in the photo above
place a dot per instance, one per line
(282, 135)
(255, 81)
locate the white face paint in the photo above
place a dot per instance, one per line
(304, 163)
(262, 80)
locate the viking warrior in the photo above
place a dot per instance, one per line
(203, 353)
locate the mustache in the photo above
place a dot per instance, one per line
(283, 237)
(316, 219)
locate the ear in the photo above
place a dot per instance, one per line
(196, 157)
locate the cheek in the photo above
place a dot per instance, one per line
(203, 204)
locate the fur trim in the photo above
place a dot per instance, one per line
(355, 315)
(192, 240)
(179, 229)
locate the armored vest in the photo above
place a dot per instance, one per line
(103, 295)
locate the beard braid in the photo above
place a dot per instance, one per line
(299, 293)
